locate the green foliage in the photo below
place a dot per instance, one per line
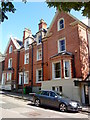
(6, 7)
(67, 6)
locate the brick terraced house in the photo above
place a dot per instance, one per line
(55, 58)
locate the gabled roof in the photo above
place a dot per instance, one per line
(2, 57)
(16, 42)
(76, 21)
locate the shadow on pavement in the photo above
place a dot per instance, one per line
(50, 108)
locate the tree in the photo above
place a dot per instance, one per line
(67, 6)
(7, 6)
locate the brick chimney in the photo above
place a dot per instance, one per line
(26, 33)
(42, 24)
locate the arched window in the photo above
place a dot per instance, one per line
(61, 24)
(10, 49)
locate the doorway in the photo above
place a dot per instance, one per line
(86, 91)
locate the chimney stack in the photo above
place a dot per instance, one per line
(42, 24)
(26, 33)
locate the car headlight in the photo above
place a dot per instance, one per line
(74, 104)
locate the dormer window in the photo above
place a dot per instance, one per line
(10, 49)
(39, 39)
(26, 44)
(61, 24)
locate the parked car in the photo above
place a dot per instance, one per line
(54, 99)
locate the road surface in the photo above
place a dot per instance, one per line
(17, 108)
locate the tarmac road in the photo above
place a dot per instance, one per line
(17, 108)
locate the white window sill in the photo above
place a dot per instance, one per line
(67, 77)
(26, 48)
(39, 43)
(61, 29)
(26, 83)
(61, 51)
(38, 81)
(26, 63)
(56, 78)
(39, 59)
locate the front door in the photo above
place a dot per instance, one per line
(86, 91)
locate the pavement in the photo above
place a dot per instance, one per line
(29, 98)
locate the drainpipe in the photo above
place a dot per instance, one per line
(32, 69)
(73, 64)
(42, 61)
(18, 57)
(42, 57)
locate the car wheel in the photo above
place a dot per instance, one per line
(63, 107)
(37, 102)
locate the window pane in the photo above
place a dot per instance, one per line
(26, 58)
(39, 53)
(60, 88)
(39, 75)
(57, 70)
(57, 66)
(62, 45)
(39, 39)
(67, 69)
(61, 24)
(61, 21)
(57, 74)
(27, 44)
(53, 88)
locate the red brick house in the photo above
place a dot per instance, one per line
(54, 58)
(10, 73)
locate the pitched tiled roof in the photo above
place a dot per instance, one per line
(17, 43)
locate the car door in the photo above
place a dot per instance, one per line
(53, 100)
(44, 98)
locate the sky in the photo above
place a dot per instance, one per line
(27, 16)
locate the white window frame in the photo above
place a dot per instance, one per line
(25, 61)
(38, 54)
(3, 78)
(9, 65)
(8, 76)
(38, 39)
(59, 51)
(10, 49)
(58, 25)
(69, 68)
(53, 74)
(20, 74)
(37, 81)
(26, 72)
(25, 44)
